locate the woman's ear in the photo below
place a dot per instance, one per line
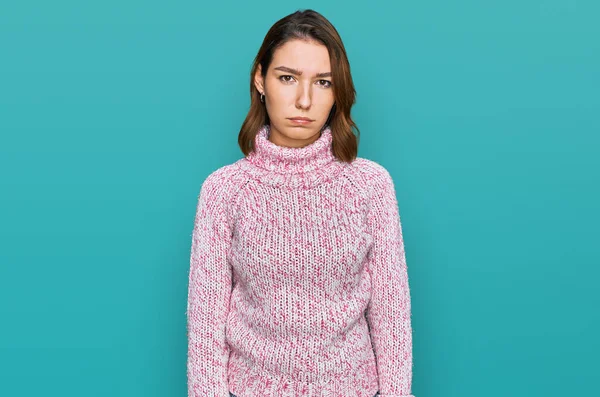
(259, 81)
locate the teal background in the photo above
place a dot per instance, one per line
(485, 113)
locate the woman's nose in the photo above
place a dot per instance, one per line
(304, 97)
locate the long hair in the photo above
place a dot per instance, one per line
(311, 26)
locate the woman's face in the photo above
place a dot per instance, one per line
(298, 83)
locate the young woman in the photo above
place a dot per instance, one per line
(298, 282)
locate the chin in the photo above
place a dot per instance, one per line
(302, 132)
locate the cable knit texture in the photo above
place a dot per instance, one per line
(298, 283)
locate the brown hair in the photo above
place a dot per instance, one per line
(307, 25)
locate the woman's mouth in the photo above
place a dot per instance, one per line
(301, 120)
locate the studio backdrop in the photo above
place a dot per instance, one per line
(112, 114)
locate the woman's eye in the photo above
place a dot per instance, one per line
(324, 83)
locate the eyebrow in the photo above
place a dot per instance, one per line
(299, 72)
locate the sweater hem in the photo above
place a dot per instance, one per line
(246, 381)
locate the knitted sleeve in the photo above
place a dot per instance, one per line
(208, 293)
(389, 311)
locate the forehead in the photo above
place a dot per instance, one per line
(311, 57)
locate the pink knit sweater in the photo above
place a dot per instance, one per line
(298, 283)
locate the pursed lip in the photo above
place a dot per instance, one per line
(300, 118)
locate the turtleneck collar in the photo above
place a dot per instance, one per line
(287, 160)
(305, 167)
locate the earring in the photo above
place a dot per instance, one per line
(262, 97)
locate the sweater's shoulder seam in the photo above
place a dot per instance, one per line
(240, 180)
(226, 178)
(369, 170)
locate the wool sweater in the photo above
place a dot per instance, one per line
(298, 282)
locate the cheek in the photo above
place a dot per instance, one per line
(282, 95)
(324, 97)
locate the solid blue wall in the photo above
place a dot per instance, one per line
(485, 113)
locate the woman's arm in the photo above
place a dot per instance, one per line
(209, 293)
(389, 311)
